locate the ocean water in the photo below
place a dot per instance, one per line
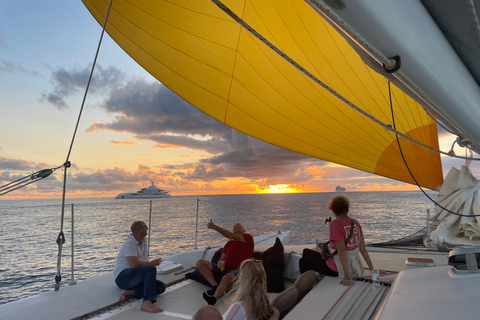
(29, 228)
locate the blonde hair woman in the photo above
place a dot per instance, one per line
(249, 299)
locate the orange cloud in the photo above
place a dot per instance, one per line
(315, 170)
(125, 142)
(167, 145)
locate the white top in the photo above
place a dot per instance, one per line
(130, 248)
(237, 311)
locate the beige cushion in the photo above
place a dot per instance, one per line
(285, 301)
(305, 283)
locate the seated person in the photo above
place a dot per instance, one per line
(346, 263)
(207, 313)
(249, 298)
(134, 274)
(235, 251)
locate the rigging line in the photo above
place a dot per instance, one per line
(408, 168)
(24, 181)
(89, 81)
(61, 237)
(312, 85)
(322, 84)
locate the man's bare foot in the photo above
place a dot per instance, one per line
(125, 294)
(150, 307)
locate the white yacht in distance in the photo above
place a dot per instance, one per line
(340, 189)
(151, 192)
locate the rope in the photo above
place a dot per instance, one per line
(325, 86)
(61, 237)
(25, 181)
(408, 168)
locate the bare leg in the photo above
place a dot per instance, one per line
(150, 307)
(227, 280)
(205, 268)
(125, 294)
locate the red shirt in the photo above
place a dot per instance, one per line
(237, 251)
(339, 231)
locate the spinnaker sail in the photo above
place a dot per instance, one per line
(216, 64)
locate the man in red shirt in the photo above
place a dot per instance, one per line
(235, 251)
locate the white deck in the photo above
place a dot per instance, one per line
(320, 302)
(181, 300)
(448, 297)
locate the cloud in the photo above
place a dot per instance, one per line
(125, 142)
(151, 108)
(18, 164)
(252, 159)
(120, 179)
(10, 67)
(152, 112)
(68, 82)
(212, 146)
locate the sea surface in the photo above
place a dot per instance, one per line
(30, 228)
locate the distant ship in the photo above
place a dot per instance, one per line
(146, 193)
(339, 189)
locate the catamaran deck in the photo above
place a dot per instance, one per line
(184, 297)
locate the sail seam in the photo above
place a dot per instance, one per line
(233, 68)
(388, 127)
(322, 93)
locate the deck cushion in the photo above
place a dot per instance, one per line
(274, 264)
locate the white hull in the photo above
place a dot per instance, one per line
(151, 192)
(141, 196)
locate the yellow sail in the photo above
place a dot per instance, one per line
(210, 60)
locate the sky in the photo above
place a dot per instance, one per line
(133, 130)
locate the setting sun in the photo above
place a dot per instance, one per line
(279, 188)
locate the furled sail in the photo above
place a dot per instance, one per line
(459, 194)
(210, 60)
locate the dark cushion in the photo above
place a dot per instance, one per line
(216, 256)
(274, 264)
(277, 247)
(197, 276)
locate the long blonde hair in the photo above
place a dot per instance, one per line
(251, 287)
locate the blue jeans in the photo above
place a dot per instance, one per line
(143, 281)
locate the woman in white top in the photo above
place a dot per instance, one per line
(249, 299)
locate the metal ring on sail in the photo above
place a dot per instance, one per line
(388, 127)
